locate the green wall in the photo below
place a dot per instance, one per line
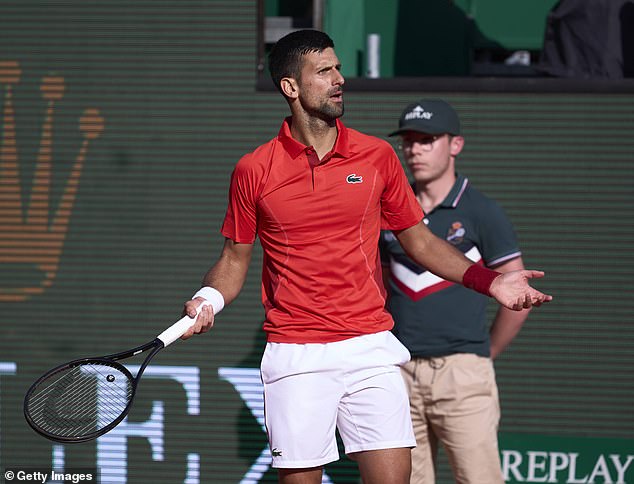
(434, 37)
(170, 91)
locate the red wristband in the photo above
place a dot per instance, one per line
(479, 278)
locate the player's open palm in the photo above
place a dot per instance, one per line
(512, 290)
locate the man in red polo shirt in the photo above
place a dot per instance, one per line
(317, 196)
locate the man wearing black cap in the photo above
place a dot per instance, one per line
(450, 379)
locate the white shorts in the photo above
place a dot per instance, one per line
(355, 385)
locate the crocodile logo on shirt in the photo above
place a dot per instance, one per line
(354, 178)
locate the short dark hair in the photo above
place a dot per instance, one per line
(285, 58)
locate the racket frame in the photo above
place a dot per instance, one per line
(155, 346)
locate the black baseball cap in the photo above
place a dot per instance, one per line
(429, 116)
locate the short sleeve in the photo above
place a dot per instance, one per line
(240, 223)
(497, 236)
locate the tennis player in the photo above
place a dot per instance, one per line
(317, 196)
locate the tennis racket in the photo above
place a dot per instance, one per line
(85, 398)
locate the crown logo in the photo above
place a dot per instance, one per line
(32, 234)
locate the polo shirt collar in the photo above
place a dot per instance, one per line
(456, 192)
(294, 148)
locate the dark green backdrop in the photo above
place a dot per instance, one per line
(172, 84)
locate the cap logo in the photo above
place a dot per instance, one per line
(418, 113)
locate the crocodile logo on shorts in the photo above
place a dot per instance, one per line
(354, 178)
(276, 453)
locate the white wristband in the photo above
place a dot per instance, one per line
(213, 296)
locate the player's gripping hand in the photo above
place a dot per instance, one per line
(512, 290)
(205, 319)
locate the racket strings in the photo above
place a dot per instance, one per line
(81, 400)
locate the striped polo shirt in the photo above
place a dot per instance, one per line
(434, 317)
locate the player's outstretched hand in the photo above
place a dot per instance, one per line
(205, 319)
(513, 291)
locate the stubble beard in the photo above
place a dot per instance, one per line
(328, 111)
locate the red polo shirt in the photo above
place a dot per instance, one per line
(319, 229)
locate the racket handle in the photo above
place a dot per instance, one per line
(178, 329)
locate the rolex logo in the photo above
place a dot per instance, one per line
(33, 228)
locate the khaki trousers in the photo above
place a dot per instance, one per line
(454, 401)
